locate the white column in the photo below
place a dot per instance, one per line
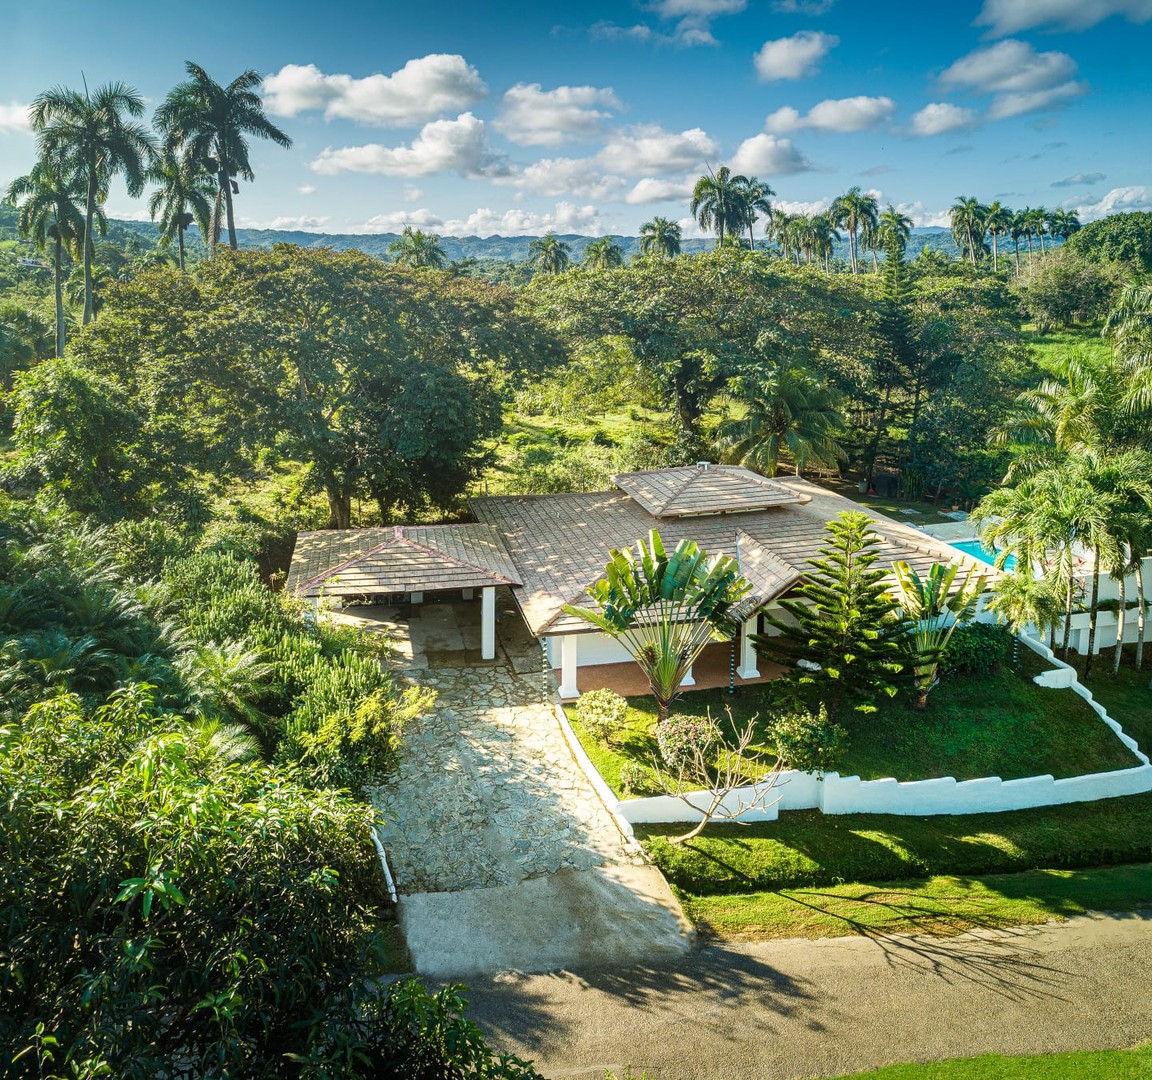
(747, 668)
(568, 688)
(688, 680)
(488, 623)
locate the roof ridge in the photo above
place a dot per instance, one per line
(461, 562)
(333, 571)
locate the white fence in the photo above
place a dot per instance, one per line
(836, 794)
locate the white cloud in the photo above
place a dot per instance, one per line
(398, 219)
(14, 119)
(649, 149)
(1118, 200)
(412, 193)
(1022, 79)
(1079, 180)
(1011, 16)
(766, 155)
(306, 189)
(794, 206)
(940, 117)
(459, 146)
(651, 190)
(567, 218)
(536, 117)
(581, 177)
(802, 7)
(793, 57)
(694, 26)
(422, 89)
(924, 218)
(835, 114)
(302, 223)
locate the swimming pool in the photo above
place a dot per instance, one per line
(975, 549)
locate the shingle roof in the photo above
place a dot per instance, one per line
(768, 574)
(560, 543)
(399, 559)
(703, 489)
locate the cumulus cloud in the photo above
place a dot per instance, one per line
(651, 190)
(1011, 16)
(693, 26)
(302, 223)
(766, 155)
(398, 219)
(700, 9)
(923, 217)
(14, 119)
(835, 114)
(799, 206)
(581, 177)
(940, 117)
(647, 149)
(536, 117)
(1118, 200)
(793, 57)
(459, 146)
(1022, 79)
(802, 7)
(1080, 179)
(306, 189)
(412, 193)
(422, 89)
(567, 218)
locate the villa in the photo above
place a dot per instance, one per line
(547, 549)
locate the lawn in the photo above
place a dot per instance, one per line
(1134, 1064)
(1048, 348)
(998, 725)
(1127, 695)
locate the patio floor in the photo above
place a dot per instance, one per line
(710, 671)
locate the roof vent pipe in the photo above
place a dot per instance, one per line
(702, 465)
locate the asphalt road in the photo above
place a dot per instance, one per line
(797, 1008)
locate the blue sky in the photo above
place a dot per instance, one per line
(473, 117)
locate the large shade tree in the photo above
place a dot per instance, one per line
(212, 124)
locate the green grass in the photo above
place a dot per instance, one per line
(1126, 695)
(1048, 348)
(998, 725)
(941, 905)
(919, 511)
(1134, 1064)
(806, 849)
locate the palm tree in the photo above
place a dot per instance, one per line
(1021, 600)
(788, 410)
(781, 231)
(660, 236)
(48, 212)
(184, 196)
(210, 122)
(1063, 223)
(718, 202)
(824, 236)
(549, 254)
(603, 254)
(967, 216)
(418, 249)
(1038, 223)
(91, 137)
(893, 229)
(1017, 229)
(998, 221)
(856, 211)
(757, 200)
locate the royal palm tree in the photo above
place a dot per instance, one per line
(417, 248)
(603, 254)
(1038, 222)
(998, 221)
(757, 197)
(660, 236)
(856, 212)
(786, 410)
(549, 254)
(211, 123)
(184, 196)
(967, 216)
(781, 231)
(93, 137)
(1064, 223)
(893, 229)
(718, 202)
(824, 236)
(48, 215)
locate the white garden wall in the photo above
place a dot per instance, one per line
(836, 794)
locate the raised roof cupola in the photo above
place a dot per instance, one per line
(702, 489)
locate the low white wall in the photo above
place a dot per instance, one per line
(836, 794)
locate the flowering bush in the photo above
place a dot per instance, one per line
(681, 738)
(809, 741)
(602, 713)
(634, 777)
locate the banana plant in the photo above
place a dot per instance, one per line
(665, 608)
(934, 606)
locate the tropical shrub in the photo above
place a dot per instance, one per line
(976, 648)
(635, 777)
(682, 738)
(809, 741)
(602, 713)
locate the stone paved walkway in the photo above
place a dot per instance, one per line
(487, 792)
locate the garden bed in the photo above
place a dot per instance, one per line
(1001, 724)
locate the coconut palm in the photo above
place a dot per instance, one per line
(967, 215)
(718, 202)
(93, 137)
(183, 198)
(855, 211)
(998, 222)
(786, 410)
(664, 609)
(757, 197)
(211, 123)
(48, 215)
(549, 254)
(417, 248)
(603, 254)
(660, 236)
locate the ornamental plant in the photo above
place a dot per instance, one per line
(683, 739)
(809, 741)
(602, 714)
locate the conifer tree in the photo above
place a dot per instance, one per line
(843, 623)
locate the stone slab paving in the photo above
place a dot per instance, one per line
(487, 792)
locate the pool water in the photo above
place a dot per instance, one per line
(977, 550)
